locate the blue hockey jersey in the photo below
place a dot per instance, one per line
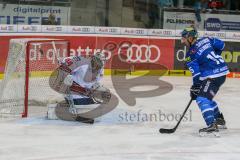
(204, 59)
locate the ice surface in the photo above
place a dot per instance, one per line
(121, 135)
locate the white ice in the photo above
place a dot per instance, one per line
(116, 138)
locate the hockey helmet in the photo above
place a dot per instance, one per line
(97, 61)
(189, 32)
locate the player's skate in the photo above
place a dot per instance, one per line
(210, 130)
(221, 123)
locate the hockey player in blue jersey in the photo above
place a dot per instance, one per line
(209, 72)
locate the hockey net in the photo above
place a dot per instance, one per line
(29, 64)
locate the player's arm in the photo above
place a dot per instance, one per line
(193, 67)
(96, 82)
(64, 64)
(218, 45)
(71, 64)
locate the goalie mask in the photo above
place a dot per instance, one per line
(97, 61)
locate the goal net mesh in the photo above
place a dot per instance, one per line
(29, 64)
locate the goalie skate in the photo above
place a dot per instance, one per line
(61, 111)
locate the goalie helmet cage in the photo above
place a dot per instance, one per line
(29, 64)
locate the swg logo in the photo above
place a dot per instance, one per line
(139, 53)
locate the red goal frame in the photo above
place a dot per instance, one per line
(27, 69)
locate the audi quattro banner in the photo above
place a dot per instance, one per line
(128, 50)
(78, 46)
(138, 50)
(231, 55)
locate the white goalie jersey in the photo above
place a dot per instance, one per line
(83, 72)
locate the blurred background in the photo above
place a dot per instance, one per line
(212, 15)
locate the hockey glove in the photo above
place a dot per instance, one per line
(68, 80)
(194, 90)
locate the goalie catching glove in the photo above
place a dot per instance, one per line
(100, 93)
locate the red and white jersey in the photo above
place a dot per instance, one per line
(82, 72)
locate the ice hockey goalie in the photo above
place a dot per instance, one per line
(79, 79)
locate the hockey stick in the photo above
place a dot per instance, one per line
(84, 120)
(62, 112)
(172, 130)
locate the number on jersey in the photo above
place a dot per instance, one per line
(217, 58)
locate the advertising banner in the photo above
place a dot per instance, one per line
(60, 29)
(221, 22)
(231, 55)
(8, 28)
(29, 28)
(210, 22)
(138, 50)
(162, 32)
(178, 20)
(81, 29)
(108, 30)
(33, 14)
(54, 28)
(126, 51)
(232, 35)
(134, 31)
(179, 56)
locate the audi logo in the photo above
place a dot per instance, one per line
(139, 53)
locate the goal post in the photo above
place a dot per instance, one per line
(29, 64)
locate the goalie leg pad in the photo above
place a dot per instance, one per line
(51, 112)
(61, 111)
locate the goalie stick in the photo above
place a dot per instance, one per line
(62, 112)
(172, 130)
